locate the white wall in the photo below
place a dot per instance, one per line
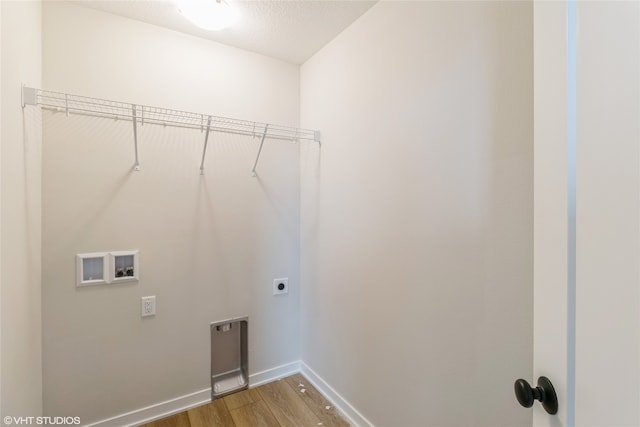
(209, 245)
(608, 214)
(20, 259)
(416, 218)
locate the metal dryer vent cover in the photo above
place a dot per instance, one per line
(229, 357)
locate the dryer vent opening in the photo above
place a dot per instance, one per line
(229, 357)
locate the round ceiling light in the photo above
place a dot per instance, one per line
(211, 15)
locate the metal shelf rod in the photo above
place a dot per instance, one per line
(204, 150)
(136, 165)
(253, 171)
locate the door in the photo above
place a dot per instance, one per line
(587, 211)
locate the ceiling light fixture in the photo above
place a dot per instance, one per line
(211, 15)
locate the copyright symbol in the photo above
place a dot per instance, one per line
(7, 420)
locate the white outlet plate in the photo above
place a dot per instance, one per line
(148, 306)
(277, 285)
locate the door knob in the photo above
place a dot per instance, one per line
(544, 392)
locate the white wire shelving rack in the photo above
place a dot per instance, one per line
(140, 115)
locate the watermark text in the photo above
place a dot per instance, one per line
(41, 421)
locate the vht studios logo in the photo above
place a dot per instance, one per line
(42, 421)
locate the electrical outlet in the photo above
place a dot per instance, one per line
(148, 306)
(280, 286)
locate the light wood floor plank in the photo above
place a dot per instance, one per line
(255, 414)
(316, 402)
(178, 420)
(241, 398)
(289, 410)
(215, 413)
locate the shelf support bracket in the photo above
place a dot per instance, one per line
(136, 165)
(29, 96)
(264, 135)
(206, 140)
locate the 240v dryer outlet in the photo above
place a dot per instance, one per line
(281, 286)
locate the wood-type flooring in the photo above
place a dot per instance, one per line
(281, 403)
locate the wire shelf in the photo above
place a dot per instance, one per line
(143, 114)
(76, 104)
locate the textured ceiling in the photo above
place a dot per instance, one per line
(291, 30)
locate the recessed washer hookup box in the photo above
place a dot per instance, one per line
(229, 357)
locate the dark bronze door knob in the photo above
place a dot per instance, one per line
(544, 392)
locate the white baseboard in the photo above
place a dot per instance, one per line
(186, 402)
(157, 411)
(355, 418)
(273, 374)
